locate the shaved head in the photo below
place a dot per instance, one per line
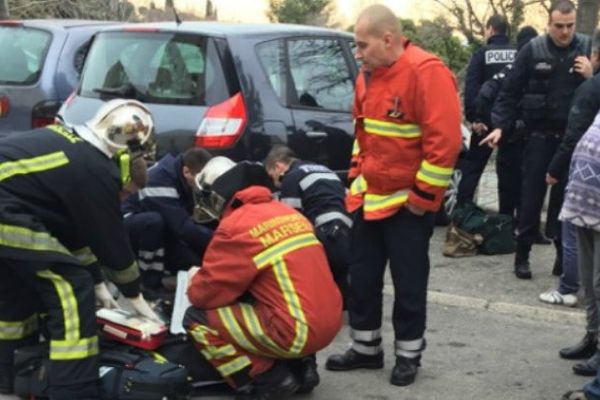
(378, 20)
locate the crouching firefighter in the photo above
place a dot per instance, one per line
(59, 220)
(264, 298)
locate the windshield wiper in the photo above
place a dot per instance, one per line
(126, 90)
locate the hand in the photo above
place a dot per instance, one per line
(492, 139)
(191, 272)
(103, 296)
(583, 66)
(415, 210)
(141, 307)
(479, 128)
(550, 180)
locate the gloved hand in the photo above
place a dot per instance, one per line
(103, 296)
(141, 307)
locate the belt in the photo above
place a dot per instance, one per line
(331, 216)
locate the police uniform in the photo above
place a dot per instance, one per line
(59, 218)
(158, 219)
(485, 63)
(540, 89)
(318, 193)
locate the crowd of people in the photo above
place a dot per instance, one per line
(271, 275)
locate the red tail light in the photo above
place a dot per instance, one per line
(223, 124)
(44, 113)
(4, 104)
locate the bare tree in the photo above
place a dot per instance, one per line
(4, 13)
(587, 16)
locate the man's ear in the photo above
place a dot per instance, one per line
(187, 173)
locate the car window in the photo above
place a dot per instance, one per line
(155, 68)
(79, 57)
(271, 56)
(320, 74)
(24, 52)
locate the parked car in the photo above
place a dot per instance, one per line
(41, 65)
(234, 89)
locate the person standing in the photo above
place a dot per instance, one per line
(540, 88)
(407, 114)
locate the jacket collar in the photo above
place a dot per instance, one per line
(249, 195)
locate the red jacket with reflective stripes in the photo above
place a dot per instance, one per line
(407, 125)
(268, 250)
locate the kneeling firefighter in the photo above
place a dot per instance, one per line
(264, 299)
(59, 221)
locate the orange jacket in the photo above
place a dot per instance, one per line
(268, 250)
(407, 125)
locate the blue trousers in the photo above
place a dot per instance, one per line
(569, 280)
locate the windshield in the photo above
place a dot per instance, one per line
(155, 67)
(23, 52)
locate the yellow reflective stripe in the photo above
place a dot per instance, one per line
(14, 330)
(434, 175)
(391, 129)
(253, 325)
(211, 351)
(85, 256)
(359, 185)
(293, 303)
(126, 275)
(68, 303)
(46, 162)
(376, 202)
(279, 250)
(73, 349)
(62, 131)
(233, 366)
(355, 148)
(234, 329)
(23, 238)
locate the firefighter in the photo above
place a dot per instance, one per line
(407, 115)
(264, 297)
(60, 220)
(318, 193)
(159, 220)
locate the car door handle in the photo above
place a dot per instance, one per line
(316, 134)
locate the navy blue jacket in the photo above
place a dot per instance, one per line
(169, 194)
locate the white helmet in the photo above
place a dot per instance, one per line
(122, 124)
(209, 204)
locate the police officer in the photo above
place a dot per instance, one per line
(545, 75)
(159, 221)
(59, 218)
(318, 193)
(485, 63)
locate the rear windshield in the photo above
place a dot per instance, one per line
(23, 52)
(155, 67)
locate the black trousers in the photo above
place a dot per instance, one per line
(472, 165)
(66, 293)
(403, 239)
(335, 237)
(539, 150)
(508, 168)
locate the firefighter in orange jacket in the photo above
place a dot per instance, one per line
(407, 117)
(264, 294)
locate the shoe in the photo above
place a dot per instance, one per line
(405, 370)
(574, 395)
(305, 371)
(275, 384)
(522, 270)
(584, 349)
(555, 297)
(353, 360)
(588, 367)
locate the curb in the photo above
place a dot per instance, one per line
(514, 310)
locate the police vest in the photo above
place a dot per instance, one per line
(496, 57)
(552, 83)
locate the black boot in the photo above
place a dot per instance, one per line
(405, 370)
(305, 371)
(353, 360)
(522, 270)
(274, 384)
(585, 348)
(588, 367)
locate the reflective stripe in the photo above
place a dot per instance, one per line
(73, 349)
(85, 256)
(234, 329)
(257, 332)
(67, 134)
(365, 336)
(359, 185)
(199, 335)
(411, 345)
(406, 353)
(14, 330)
(234, 366)
(126, 275)
(279, 250)
(151, 266)
(434, 175)
(376, 202)
(310, 179)
(68, 303)
(331, 216)
(366, 350)
(391, 129)
(355, 148)
(294, 202)
(24, 238)
(158, 192)
(149, 255)
(25, 166)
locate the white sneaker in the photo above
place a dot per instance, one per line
(552, 296)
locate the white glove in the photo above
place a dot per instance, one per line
(141, 307)
(103, 296)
